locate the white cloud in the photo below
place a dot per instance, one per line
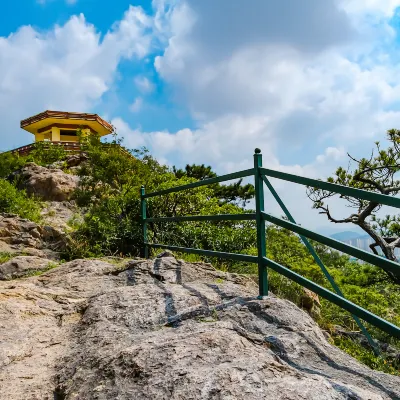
(67, 68)
(314, 79)
(322, 84)
(378, 8)
(144, 84)
(137, 105)
(216, 143)
(328, 80)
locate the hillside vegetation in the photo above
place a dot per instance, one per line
(108, 197)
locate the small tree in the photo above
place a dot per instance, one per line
(376, 174)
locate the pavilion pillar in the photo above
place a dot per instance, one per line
(55, 134)
(39, 137)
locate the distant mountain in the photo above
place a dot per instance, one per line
(346, 235)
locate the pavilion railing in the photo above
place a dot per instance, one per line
(261, 217)
(69, 147)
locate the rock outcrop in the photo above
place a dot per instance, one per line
(21, 266)
(165, 329)
(47, 183)
(61, 214)
(21, 236)
(71, 161)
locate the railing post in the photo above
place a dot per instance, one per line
(145, 248)
(261, 240)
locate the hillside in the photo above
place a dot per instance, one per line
(59, 213)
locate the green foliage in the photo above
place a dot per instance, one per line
(110, 186)
(228, 236)
(16, 201)
(4, 257)
(388, 226)
(9, 163)
(366, 356)
(111, 172)
(45, 153)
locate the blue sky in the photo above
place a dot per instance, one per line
(208, 81)
(43, 15)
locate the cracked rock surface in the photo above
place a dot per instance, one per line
(21, 266)
(166, 329)
(21, 236)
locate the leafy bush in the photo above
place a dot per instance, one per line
(17, 202)
(45, 153)
(366, 356)
(9, 163)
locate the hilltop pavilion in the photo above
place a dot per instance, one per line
(60, 126)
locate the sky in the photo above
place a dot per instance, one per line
(208, 81)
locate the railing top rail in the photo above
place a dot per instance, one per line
(222, 178)
(333, 187)
(381, 262)
(218, 217)
(361, 312)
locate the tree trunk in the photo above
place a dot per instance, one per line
(386, 248)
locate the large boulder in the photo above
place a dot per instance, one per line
(46, 183)
(166, 329)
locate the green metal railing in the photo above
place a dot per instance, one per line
(261, 217)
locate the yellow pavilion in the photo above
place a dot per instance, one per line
(60, 126)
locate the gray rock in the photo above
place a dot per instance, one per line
(59, 214)
(47, 183)
(18, 235)
(76, 160)
(166, 329)
(21, 266)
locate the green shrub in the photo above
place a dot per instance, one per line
(16, 201)
(4, 257)
(45, 153)
(9, 163)
(366, 356)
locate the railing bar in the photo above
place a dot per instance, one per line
(222, 178)
(220, 217)
(333, 187)
(210, 253)
(336, 299)
(343, 247)
(319, 262)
